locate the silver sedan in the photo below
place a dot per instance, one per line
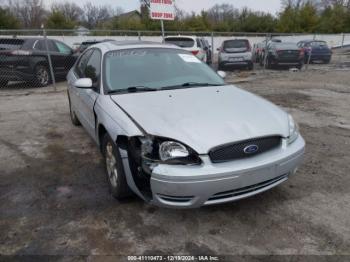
(173, 132)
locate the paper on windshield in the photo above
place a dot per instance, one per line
(189, 58)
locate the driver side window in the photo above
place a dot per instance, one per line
(93, 68)
(80, 67)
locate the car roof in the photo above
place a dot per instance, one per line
(310, 41)
(236, 39)
(96, 41)
(120, 45)
(26, 38)
(23, 38)
(182, 36)
(282, 44)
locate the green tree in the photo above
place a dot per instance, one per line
(250, 21)
(57, 20)
(127, 24)
(196, 23)
(335, 19)
(7, 20)
(308, 18)
(289, 20)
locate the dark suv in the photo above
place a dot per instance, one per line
(27, 60)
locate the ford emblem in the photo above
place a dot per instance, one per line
(251, 149)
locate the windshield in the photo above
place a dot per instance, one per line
(156, 68)
(180, 41)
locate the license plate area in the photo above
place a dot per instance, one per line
(236, 59)
(259, 175)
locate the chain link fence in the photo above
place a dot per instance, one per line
(38, 58)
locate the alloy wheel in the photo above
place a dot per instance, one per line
(42, 75)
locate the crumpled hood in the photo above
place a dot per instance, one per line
(205, 117)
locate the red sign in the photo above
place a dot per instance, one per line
(162, 9)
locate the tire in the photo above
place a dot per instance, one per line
(42, 76)
(268, 63)
(261, 61)
(221, 67)
(114, 169)
(327, 61)
(250, 66)
(73, 116)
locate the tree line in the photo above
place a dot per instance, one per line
(296, 16)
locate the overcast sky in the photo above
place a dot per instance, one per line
(272, 6)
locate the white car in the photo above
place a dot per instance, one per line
(173, 132)
(235, 53)
(189, 43)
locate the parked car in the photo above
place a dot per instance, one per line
(259, 49)
(82, 46)
(26, 59)
(207, 47)
(173, 132)
(192, 44)
(283, 54)
(235, 53)
(316, 50)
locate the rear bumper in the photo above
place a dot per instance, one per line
(323, 57)
(242, 63)
(208, 184)
(281, 61)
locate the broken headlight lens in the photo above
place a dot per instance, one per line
(293, 130)
(168, 152)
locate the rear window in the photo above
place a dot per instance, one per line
(285, 46)
(6, 44)
(180, 41)
(236, 44)
(233, 46)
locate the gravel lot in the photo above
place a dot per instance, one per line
(54, 198)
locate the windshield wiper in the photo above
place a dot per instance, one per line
(199, 84)
(133, 89)
(189, 85)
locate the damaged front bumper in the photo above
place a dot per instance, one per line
(194, 186)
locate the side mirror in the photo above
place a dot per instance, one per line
(222, 74)
(84, 83)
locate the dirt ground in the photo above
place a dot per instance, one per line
(54, 198)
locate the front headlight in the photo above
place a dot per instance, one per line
(293, 130)
(157, 149)
(171, 150)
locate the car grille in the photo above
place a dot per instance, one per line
(234, 151)
(247, 189)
